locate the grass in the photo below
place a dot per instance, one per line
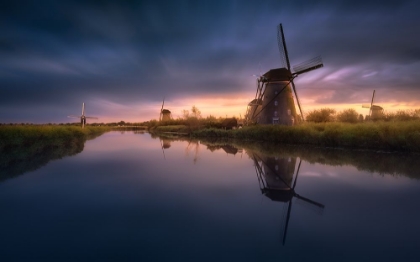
(389, 136)
(26, 148)
(172, 128)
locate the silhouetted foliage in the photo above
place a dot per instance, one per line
(348, 116)
(321, 115)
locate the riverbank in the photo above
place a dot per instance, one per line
(26, 148)
(401, 136)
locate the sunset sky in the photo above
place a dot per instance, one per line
(122, 59)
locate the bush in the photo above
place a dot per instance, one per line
(348, 116)
(321, 115)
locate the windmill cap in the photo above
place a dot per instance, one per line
(255, 102)
(278, 74)
(166, 111)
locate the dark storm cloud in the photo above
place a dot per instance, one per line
(60, 52)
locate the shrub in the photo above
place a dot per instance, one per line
(348, 116)
(321, 115)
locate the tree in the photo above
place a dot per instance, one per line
(348, 115)
(185, 114)
(321, 115)
(196, 112)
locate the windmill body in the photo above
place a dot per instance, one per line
(277, 101)
(165, 114)
(274, 102)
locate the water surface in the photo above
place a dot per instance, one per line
(130, 196)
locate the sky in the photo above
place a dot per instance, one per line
(122, 58)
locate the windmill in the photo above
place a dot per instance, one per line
(275, 177)
(375, 111)
(165, 114)
(83, 117)
(273, 102)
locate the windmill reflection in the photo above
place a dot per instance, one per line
(275, 177)
(165, 143)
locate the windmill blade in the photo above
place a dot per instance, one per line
(297, 173)
(289, 209)
(282, 47)
(371, 103)
(163, 151)
(318, 207)
(297, 100)
(366, 106)
(83, 109)
(72, 116)
(307, 66)
(373, 96)
(160, 115)
(91, 117)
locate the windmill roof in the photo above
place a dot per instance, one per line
(255, 102)
(278, 74)
(165, 111)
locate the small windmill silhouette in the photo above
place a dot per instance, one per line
(375, 111)
(83, 117)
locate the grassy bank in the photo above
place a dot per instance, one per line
(26, 148)
(388, 136)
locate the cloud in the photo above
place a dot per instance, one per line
(62, 52)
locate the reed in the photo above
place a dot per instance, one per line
(389, 136)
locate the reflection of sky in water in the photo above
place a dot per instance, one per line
(121, 197)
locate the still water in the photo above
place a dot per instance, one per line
(130, 196)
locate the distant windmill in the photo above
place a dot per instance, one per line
(275, 176)
(375, 111)
(273, 102)
(165, 114)
(83, 117)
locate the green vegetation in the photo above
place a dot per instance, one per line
(348, 116)
(398, 131)
(321, 115)
(389, 136)
(28, 147)
(351, 116)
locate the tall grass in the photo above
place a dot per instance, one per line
(390, 136)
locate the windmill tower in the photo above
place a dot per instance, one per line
(275, 177)
(165, 114)
(375, 112)
(82, 117)
(273, 102)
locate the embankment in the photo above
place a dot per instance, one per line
(26, 148)
(401, 136)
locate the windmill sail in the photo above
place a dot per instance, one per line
(275, 97)
(307, 66)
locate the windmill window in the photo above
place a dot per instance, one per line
(277, 168)
(275, 92)
(276, 103)
(275, 113)
(289, 112)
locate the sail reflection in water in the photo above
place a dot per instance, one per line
(275, 177)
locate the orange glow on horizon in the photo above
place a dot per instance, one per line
(233, 105)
